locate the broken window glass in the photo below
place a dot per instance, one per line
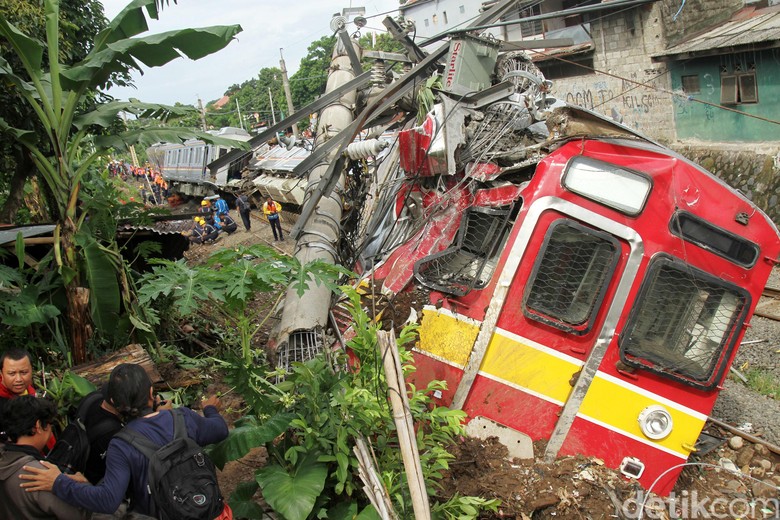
(684, 324)
(470, 263)
(571, 276)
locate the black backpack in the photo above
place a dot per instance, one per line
(71, 451)
(243, 203)
(182, 479)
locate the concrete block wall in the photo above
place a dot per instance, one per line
(627, 86)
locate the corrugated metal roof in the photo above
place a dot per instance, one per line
(9, 235)
(279, 159)
(747, 27)
(549, 54)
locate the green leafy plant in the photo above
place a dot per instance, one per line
(426, 97)
(228, 283)
(309, 422)
(65, 391)
(63, 100)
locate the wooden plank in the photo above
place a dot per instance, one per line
(97, 372)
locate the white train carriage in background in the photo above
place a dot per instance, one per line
(183, 165)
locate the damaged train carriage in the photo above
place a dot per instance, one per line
(583, 285)
(589, 288)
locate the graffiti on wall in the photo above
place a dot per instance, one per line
(630, 98)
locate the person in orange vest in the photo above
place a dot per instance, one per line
(271, 211)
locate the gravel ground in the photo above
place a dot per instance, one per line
(738, 404)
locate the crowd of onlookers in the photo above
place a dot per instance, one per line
(152, 186)
(121, 420)
(213, 213)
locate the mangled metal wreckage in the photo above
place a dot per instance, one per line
(583, 284)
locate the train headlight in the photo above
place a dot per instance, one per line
(655, 422)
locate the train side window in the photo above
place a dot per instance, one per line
(570, 276)
(684, 324)
(721, 242)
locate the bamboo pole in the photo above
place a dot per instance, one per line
(373, 486)
(396, 387)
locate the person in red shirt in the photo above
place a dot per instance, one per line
(16, 379)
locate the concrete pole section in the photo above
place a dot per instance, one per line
(319, 239)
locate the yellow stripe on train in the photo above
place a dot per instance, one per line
(544, 372)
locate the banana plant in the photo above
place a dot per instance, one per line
(63, 99)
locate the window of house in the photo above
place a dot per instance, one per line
(462, 9)
(426, 23)
(684, 323)
(738, 86)
(534, 27)
(435, 19)
(690, 84)
(444, 15)
(570, 277)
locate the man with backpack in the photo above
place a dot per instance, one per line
(189, 489)
(243, 207)
(82, 445)
(28, 424)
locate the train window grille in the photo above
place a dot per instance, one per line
(469, 264)
(721, 242)
(684, 324)
(570, 277)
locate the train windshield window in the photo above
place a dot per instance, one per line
(731, 247)
(684, 324)
(608, 184)
(571, 276)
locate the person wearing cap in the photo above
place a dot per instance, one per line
(205, 206)
(203, 232)
(220, 206)
(224, 222)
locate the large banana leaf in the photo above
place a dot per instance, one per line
(104, 115)
(130, 21)
(100, 266)
(247, 435)
(153, 51)
(149, 136)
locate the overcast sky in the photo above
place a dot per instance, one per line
(268, 26)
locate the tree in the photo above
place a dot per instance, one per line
(81, 21)
(62, 98)
(309, 82)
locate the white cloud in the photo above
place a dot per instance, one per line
(267, 27)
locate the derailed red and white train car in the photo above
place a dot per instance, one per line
(584, 285)
(597, 305)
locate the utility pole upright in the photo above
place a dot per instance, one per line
(202, 115)
(287, 93)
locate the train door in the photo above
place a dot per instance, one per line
(567, 278)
